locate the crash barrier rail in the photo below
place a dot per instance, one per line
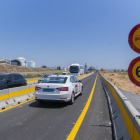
(13, 96)
(125, 118)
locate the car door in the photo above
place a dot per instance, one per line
(78, 84)
(11, 81)
(19, 80)
(75, 85)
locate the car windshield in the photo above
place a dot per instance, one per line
(55, 80)
(46, 75)
(3, 77)
(74, 69)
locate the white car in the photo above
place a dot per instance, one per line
(66, 73)
(62, 88)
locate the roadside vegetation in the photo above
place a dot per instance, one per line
(26, 76)
(121, 80)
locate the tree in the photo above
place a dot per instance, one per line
(58, 68)
(44, 66)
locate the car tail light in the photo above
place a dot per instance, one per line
(63, 88)
(37, 88)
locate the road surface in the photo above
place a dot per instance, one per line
(54, 121)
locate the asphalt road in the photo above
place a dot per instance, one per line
(54, 121)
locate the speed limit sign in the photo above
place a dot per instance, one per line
(134, 71)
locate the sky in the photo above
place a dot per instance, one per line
(62, 32)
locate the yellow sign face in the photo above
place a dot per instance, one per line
(136, 71)
(136, 38)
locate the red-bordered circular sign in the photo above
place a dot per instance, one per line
(134, 38)
(134, 71)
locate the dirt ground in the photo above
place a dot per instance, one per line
(4, 68)
(122, 81)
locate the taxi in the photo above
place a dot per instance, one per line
(58, 88)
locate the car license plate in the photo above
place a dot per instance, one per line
(48, 90)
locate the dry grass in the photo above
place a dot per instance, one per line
(4, 68)
(122, 81)
(34, 75)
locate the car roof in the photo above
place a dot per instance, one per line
(52, 75)
(65, 72)
(4, 73)
(9, 73)
(59, 75)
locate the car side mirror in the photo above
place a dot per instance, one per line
(80, 81)
(9, 81)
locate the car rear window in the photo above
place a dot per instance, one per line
(55, 80)
(18, 77)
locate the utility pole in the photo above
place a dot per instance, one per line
(85, 66)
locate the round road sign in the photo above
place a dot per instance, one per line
(134, 71)
(134, 38)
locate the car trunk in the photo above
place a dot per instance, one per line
(50, 88)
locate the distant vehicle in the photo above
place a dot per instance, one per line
(11, 80)
(44, 77)
(86, 72)
(61, 88)
(76, 69)
(66, 73)
(89, 71)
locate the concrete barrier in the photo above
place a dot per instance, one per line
(125, 118)
(4, 99)
(32, 81)
(13, 96)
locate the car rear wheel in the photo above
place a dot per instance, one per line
(72, 98)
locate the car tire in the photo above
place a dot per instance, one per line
(72, 98)
(81, 93)
(41, 102)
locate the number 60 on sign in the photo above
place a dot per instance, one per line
(134, 71)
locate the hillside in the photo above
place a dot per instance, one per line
(4, 68)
